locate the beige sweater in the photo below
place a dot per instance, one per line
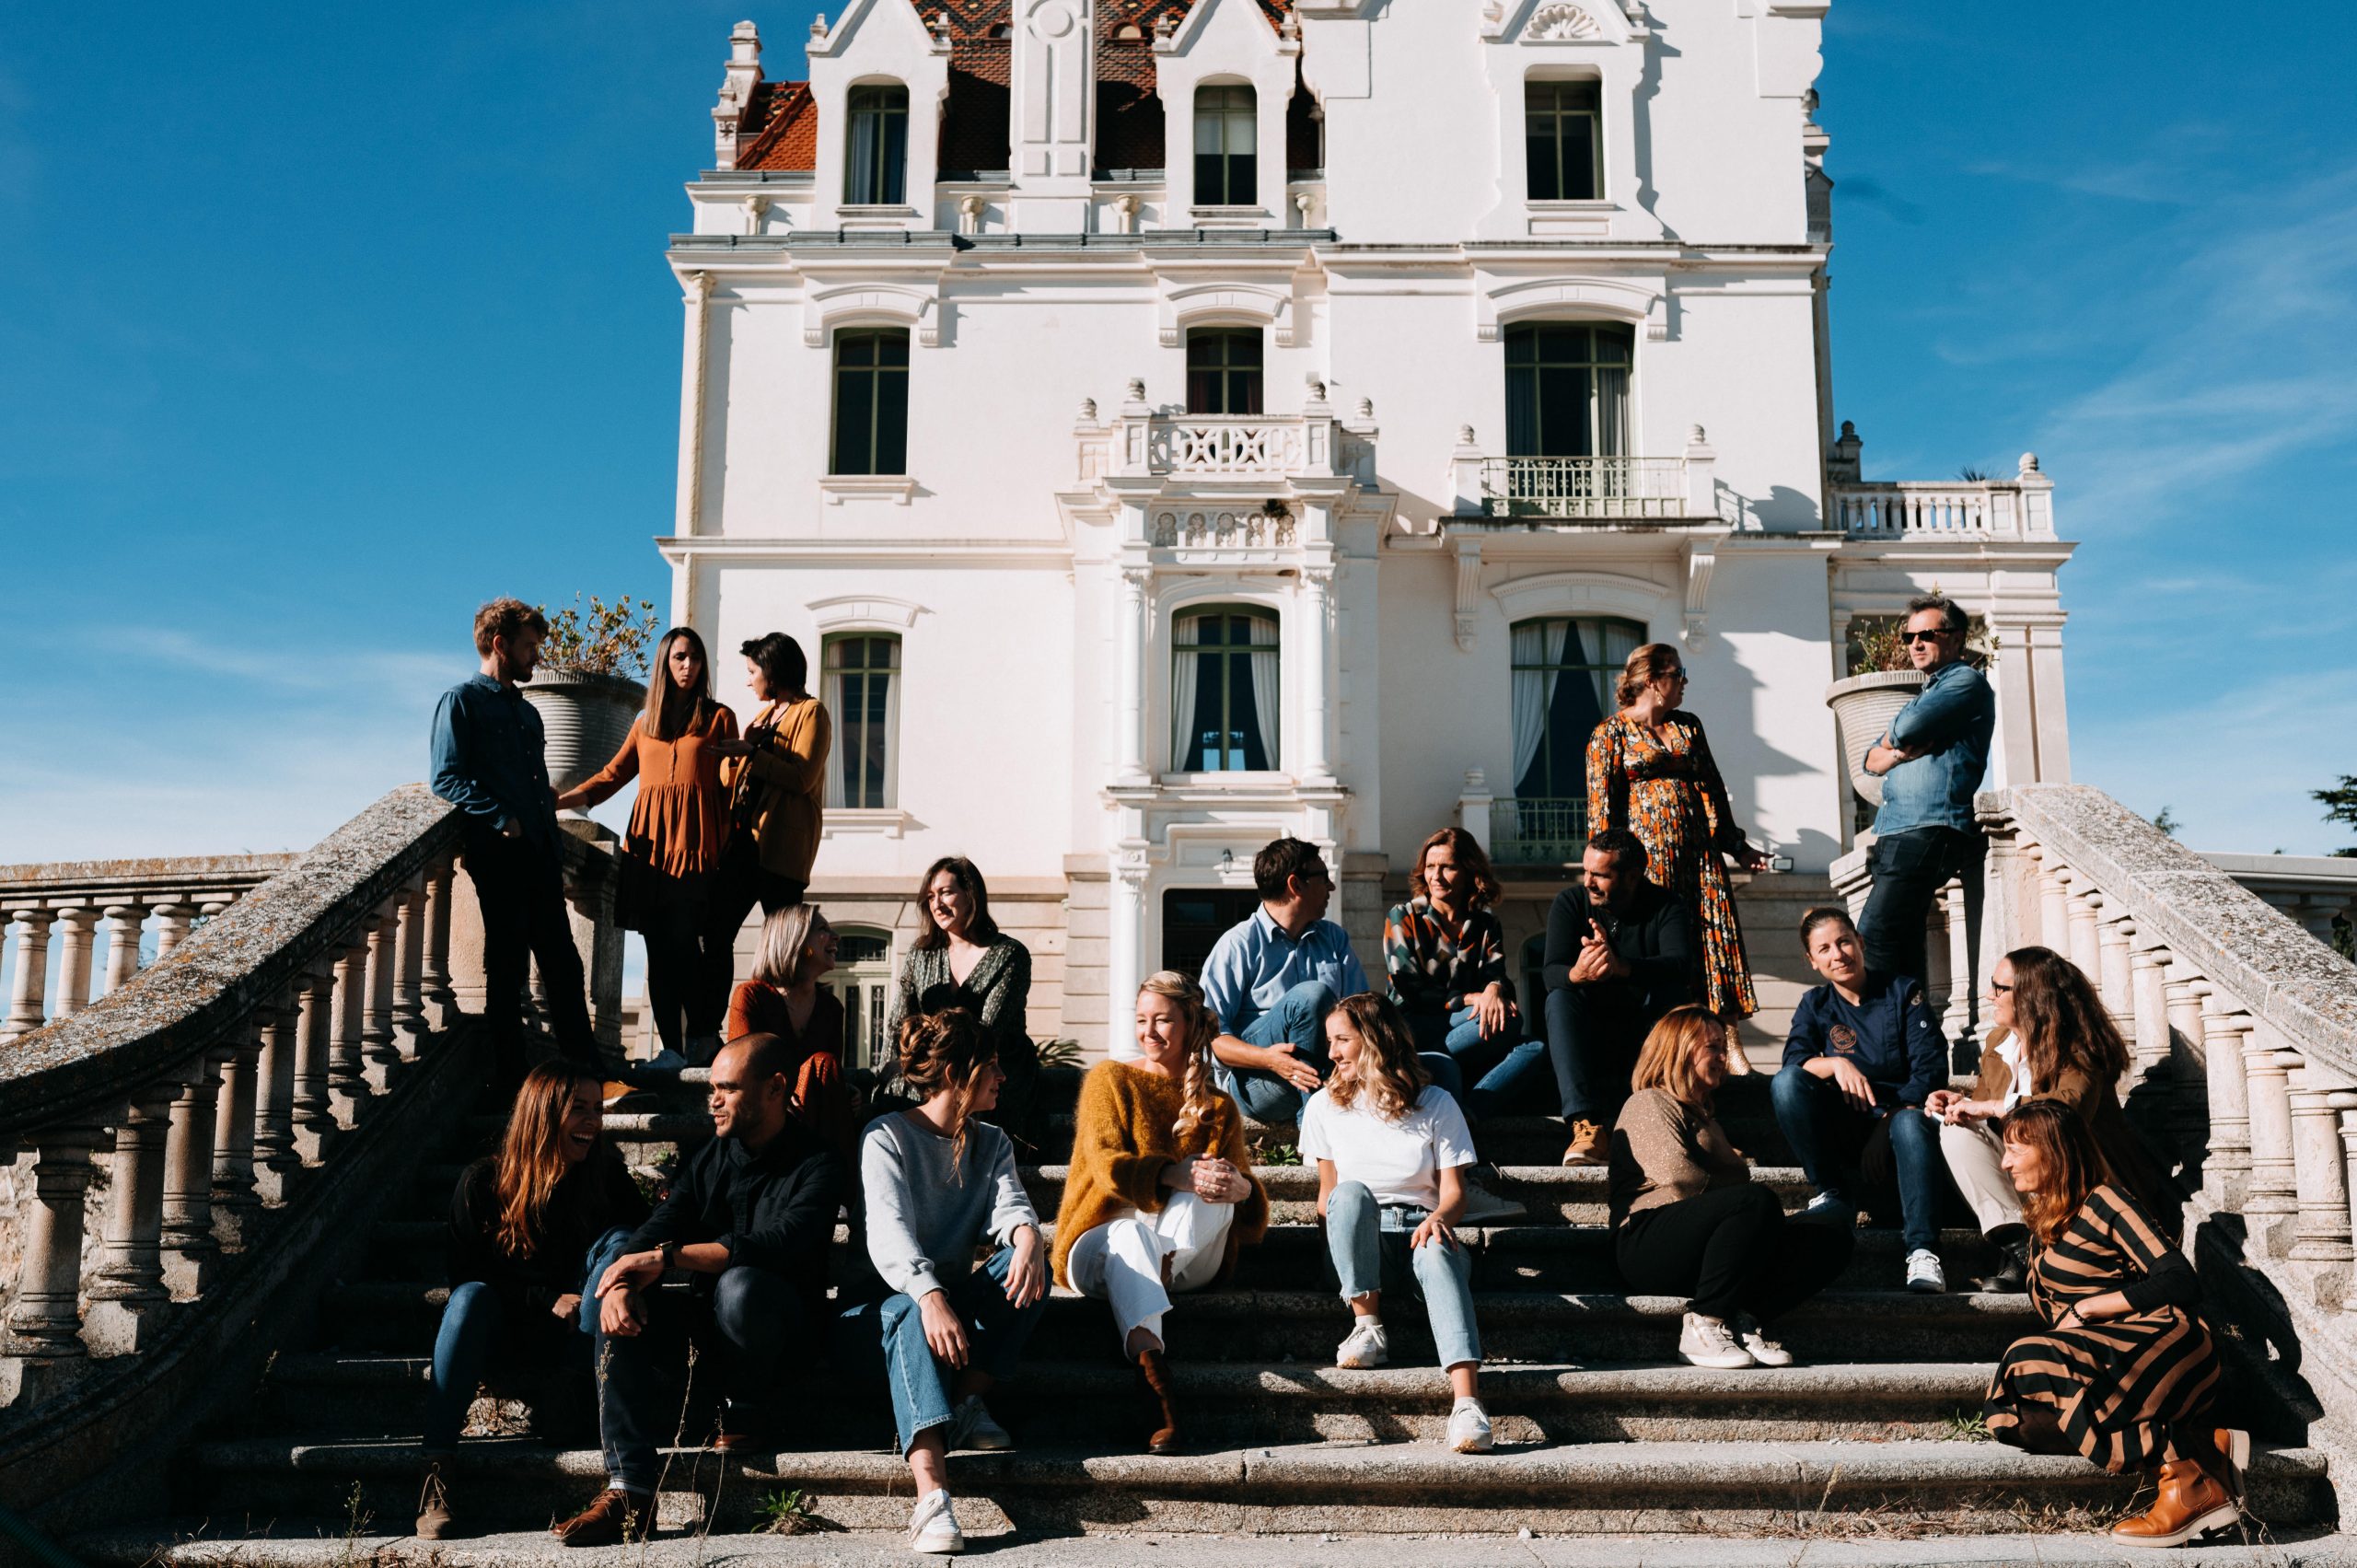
(1664, 1150)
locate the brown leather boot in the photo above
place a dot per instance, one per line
(612, 1518)
(2233, 1455)
(1587, 1144)
(2192, 1502)
(1154, 1367)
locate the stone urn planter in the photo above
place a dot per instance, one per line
(1863, 707)
(585, 717)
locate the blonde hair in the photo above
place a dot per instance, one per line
(1645, 666)
(777, 958)
(946, 1051)
(1667, 1060)
(1198, 1095)
(1388, 1069)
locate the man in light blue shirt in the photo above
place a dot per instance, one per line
(1932, 760)
(1272, 980)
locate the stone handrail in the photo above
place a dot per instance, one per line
(2017, 509)
(68, 905)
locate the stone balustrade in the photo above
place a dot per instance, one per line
(2017, 509)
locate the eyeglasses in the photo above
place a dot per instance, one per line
(1998, 985)
(1922, 636)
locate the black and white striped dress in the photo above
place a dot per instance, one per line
(2116, 1388)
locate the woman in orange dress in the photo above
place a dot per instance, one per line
(1649, 769)
(678, 825)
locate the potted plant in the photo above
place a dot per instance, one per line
(589, 685)
(1881, 682)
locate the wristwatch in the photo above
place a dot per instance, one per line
(670, 1254)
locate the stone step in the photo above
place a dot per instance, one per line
(1384, 1488)
(324, 1395)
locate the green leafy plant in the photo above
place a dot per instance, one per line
(1058, 1053)
(789, 1512)
(1275, 1153)
(1965, 1426)
(2165, 820)
(604, 639)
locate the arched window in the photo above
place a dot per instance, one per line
(1223, 701)
(1562, 141)
(863, 671)
(863, 975)
(876, 171)
(1564, 667)
(871, 402)
(1226, 148)
(1223, 370)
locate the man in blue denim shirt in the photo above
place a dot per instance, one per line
(1271, 981)
(489, 763)
(1930, 760)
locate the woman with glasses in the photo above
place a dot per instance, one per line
(1649, 771)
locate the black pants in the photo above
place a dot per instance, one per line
(1730, 1252)
(740, 1331)
(1909, 870)
(737, 884)
(1593, 1034)
(686, 991)
(521, 890)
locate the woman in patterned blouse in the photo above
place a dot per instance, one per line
(2124, 1372)
(1649, 769)
(1446, 954)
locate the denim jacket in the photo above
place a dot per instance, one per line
(1950, 721)
(489, 761)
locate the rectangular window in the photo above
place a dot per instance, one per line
(1567, 389)
(1222, 372)
(1562, 141)
(1224, 696)
(1194, 919)
(871, 402)
(1228, 137)
(864, 694)
(875, 169)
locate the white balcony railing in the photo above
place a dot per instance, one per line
(2019, 507)
(1237, 446)
(1584, 489)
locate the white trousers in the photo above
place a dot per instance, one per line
(1974, 1156)
(1120, 1260)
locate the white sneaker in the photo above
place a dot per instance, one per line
(1708, 1342)
(1367, 1346)
(935, 1529)
(1764, 1347)
(973, 1428)
(1468, 1430)
(1485, 1207)
(1923, 1271)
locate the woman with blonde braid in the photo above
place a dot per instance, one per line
(1161, 1193)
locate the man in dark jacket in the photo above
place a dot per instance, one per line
(749, 1220)
(1620, 954)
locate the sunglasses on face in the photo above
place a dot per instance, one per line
(1922, 636)
(1998, 985)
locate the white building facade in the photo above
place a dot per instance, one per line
(1170, 428)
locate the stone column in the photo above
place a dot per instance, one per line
(128, 1300)
(1317, 714)
(122, 922)
(2114, 935)
(697, 301)
(2148, 1005)
(26, 1009)
(1128, 740)
(315, 1121)
(347, 1072)
(172, 917)
(377, 1048)
(2053, 903)
(409, 973)
(2086, 939)
(2225, 1174)
(275, 1159)
(2322, 1233)
(2274, 1184)
(237, 1206)
(2189, 1053)
(192, 1252)
(441, 1000)
(75, 924)
(1955, 1021)
(42, 1347)
(1124, 946)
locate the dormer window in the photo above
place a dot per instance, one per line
(1562, 135)
(876, 171)
(1227, 134)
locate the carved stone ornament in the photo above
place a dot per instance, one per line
(1559, 22)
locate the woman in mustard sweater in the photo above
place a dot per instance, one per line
(1161, 1193)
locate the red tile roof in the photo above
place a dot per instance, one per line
(780, 128)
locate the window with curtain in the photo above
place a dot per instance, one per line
(1564, 667)
(875, 169)
(1567, 389)
(871, 402)
(1222, 371)
(1224, 700)
(1561, 141)
(862, 672)
(1226, 148)
(862, 978)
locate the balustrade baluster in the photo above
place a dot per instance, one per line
(379, 1053)
(2322, 1235)
(236, 1204)
(441, 999)
(123, 923)
(25, 1012)
(314, 1109)
(347, 1073)
(172, 917)
(2053, 905)
(2225, 1173)
(2115, 934)
(191, 1253)
(409, 972)
(2274, 1181)
(43, 1344)
(76, 925)
(276, 1160)
(128, 1300)
(2148, 1003)
(1955, 1021)
(2086, 940)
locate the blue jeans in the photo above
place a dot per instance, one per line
(1299, 1018)
(1369, 1245)
(471, 1329)
(1828, 1134)
(1502, 1067)
(996, 1332)
(755, 1314)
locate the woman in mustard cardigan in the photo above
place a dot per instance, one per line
(1161, 1192)
(777, 791)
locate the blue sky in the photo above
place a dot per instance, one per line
(322, 325)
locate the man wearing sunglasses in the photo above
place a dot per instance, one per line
(1931, 761)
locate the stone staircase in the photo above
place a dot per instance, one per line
(1600, 1428)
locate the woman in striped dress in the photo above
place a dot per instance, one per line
(2124, 1372)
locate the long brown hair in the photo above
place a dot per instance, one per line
(1667, 1060)
(2073, 1167)
(1470, 860)
(2062, 1020)
(1388, 1068)
(665, 715)
(945, 1050)
(981, 929)
(531, 1157)
(1198, 1095)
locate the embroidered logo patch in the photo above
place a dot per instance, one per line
(1841, 1039)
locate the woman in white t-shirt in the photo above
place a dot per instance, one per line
(1390, 1146)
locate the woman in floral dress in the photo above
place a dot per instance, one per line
(1649, 769)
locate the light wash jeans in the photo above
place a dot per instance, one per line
(1300, 1016)
(1120, 1260)
(471, 1331)
(995, 1330)
(1368, 1242)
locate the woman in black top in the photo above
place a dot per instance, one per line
(529, 1229)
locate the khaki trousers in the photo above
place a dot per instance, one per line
(1975, 1155)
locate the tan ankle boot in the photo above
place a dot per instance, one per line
(2192, 1502)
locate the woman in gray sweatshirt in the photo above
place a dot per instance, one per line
(937, 1180)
